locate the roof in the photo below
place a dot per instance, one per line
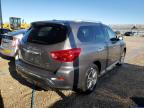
(64, 22)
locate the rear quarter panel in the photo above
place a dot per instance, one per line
(89, 54)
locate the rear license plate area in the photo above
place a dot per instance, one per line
(33, 58)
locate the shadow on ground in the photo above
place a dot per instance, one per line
(116, 89)
(6, 57)
(1, 101)
(139, 101)
(12, 70)
(13, 73)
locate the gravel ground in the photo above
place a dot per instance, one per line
(121, 87)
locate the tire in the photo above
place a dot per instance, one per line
(91, 78)
(121, 61)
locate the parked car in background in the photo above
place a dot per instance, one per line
(3, 31)
(10, 41)
(129, 33)
(68, 54)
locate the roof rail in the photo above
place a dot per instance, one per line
(88, 21)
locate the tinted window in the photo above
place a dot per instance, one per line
(91, 34)
(111, 33)
(46, 34)
(86, 34)
(99, 34)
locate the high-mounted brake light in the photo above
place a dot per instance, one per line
(66, 55)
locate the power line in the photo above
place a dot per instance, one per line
(1, 20)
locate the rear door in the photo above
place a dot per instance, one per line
(100, 42)
(39, 41)
(114, 47)
(94, 44)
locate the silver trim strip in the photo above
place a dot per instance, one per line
(108, 68)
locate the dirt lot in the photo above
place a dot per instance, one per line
(116, 89)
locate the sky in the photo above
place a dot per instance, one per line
(105, 11)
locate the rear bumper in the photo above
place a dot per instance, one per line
(8, 52)
(44, 78)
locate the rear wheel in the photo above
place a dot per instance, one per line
(91, 77)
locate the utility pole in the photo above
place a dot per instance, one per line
(1, 20)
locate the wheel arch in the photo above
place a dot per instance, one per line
(125, 49)
(98, 64)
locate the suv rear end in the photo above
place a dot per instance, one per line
(10, 41)
(45, 56)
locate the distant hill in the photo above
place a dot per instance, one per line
(139, 27)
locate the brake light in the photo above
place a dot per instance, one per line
(66, 55)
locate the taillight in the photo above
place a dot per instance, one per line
(15, 42)
(66, 55)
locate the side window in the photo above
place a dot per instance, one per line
(99, 34)
(86, 34)
(111, 33)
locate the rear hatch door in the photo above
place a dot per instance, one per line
(39, 41)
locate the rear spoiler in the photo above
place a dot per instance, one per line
(46, 23)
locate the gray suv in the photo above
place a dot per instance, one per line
(68, 54)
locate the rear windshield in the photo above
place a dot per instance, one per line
(46, 34)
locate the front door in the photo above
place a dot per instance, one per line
(113, 47)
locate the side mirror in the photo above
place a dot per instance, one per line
(120, 38)
(114, 39)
